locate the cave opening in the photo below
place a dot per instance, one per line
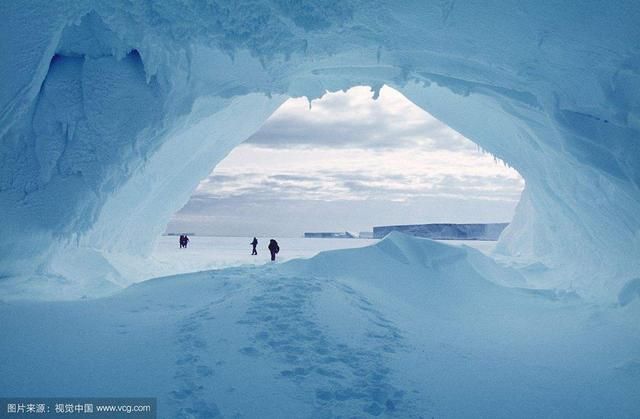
(318, 172)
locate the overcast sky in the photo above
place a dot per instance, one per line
(347, 164)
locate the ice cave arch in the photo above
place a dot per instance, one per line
(100, 99)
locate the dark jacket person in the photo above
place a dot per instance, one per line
(273, 248)
(254, 243)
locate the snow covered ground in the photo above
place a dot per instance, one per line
(404, 328)
(208, 252)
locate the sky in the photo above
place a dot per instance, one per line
(348, 163)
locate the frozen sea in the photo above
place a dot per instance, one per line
(210, 252)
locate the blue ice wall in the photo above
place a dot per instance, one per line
(111, 113)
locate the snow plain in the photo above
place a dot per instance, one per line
(404, 328)
(209, 252)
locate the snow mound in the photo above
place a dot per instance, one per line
(406, 259)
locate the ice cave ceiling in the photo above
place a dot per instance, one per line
(111, 112)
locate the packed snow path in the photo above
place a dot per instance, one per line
(405, 328)
(279, 326)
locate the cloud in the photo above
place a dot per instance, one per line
(354, 120)
(277, 218)
(352, 186)
(347, 164)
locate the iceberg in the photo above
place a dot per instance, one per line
(329, 235)
(112, 112)
(446, 231)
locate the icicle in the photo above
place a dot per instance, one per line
(376, 91)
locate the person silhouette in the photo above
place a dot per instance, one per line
(274, 249)
(254, 243)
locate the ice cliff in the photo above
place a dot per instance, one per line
(111, 112)
(445, 231)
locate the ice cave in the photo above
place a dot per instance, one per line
(100, 99)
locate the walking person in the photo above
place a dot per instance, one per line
(274, 249)
(186, 241)
(254, 243)
(181, 241)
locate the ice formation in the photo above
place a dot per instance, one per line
(490, 231)
(111, 112)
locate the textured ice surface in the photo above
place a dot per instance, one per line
(111, 112)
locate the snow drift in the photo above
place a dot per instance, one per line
(111, 112)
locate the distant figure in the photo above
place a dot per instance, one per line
(274, 249)
(184, 240)
(254, 243)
